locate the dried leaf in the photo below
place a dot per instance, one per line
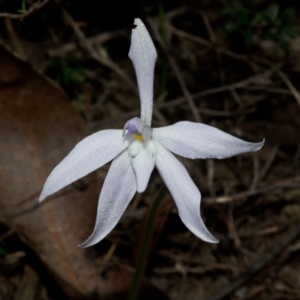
(38, 127)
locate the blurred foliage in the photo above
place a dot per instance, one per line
(70, 76)
(3, 252)
(23, 9)
(68, 73)
(248, 18)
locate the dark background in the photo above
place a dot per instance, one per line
(239, 61)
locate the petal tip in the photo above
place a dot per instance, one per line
(42, 197)
(83, 245)
(137, 21)
(206, 236)
(45, 193)
(258, 146)
(213, 240)
(89, 242)
(261, 144)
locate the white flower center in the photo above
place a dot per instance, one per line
(142, 151)
(137, 146)
(141, 134)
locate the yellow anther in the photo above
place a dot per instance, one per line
(138, 137)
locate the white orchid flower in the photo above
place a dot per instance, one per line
(138, 148)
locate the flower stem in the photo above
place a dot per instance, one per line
(142, 258)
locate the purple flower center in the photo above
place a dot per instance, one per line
(138, 129)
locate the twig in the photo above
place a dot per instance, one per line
(213, 41)
(283, 76)
(256, 174)
(257, 266)
(14, 39)
(238, 85)
(223, 88)
(287, 183)
(160, 117)
(189, 36)
(176, 71)
(269, 90)
(181, 100)
(194, 270)
(7, 234)
(232, 229)
(100, 56)
(34, 7)
(97, 39)
(225, 113)
(204, 111)
(210, 166)
(208, 44)
(289, 85)
(175, 12)
(269, 162)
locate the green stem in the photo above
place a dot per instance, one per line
(142, 259)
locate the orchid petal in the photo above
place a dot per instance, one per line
(117, 191)
(88, 155)
(143, 162)
(143, 55)
(193, 140)
(185, 193)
